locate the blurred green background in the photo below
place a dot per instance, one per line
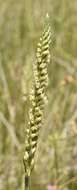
(21, 24)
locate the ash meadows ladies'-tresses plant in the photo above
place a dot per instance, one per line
(37, 99)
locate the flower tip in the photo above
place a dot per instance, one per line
(47, 16)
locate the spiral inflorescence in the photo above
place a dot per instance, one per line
(37, 99)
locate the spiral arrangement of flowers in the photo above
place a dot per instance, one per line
(37, 99)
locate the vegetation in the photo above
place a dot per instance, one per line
(56, 155)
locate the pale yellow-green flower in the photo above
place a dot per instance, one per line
(37, 98)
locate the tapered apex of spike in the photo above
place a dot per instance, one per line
(47, 16)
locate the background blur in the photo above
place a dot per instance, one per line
(20, 28)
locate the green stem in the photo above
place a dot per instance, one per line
(27, 183)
